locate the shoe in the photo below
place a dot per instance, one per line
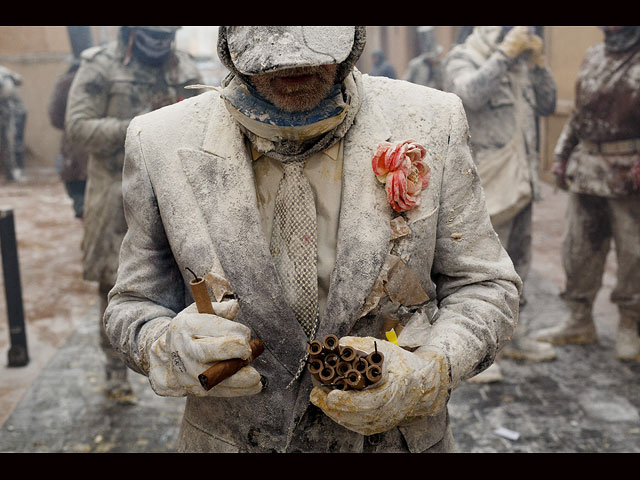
(527, 348)
(121, 394)
(578, 328)
(490, 375)
(117, 388)
(18, 175)
(627, 339)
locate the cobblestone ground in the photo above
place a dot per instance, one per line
(584, 401)
(64, 410)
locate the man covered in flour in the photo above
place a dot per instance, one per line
(314, 200)
(597, 160)
(500, 75)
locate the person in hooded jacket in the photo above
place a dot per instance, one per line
(139, 72)
(13, 115)
(597, 160)
(425, 68)
(313, 200)
(72, 165)
(501, 77)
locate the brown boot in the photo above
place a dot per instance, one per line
(117, 388)
(627, 338)
(577, 329)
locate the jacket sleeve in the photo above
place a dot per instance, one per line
(87, 124)
(473, 84)
(58, 101)
(477, 287)
(149, 290)
(544, 88)
(567, 140)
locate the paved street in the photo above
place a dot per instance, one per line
(584, 401)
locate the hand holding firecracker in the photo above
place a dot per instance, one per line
(409, 385)
(203, 334)
(344, 367)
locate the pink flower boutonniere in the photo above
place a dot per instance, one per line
(403, 171)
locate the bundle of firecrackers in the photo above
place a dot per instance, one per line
(343, 367)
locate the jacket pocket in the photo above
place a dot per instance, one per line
(503, 96)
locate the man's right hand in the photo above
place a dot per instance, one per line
(194, 342)
(559, 172)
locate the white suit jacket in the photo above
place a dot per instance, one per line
(190, 201)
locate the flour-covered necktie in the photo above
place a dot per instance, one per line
(294, 245)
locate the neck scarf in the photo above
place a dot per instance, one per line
(293, 136)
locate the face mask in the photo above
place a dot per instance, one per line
(620, 40)
(266, 121)
(152, 47)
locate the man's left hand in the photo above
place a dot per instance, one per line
(413, 385)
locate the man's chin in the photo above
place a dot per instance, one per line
(298, 101)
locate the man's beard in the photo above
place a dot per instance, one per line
(296, 89)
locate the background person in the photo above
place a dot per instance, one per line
(138, 73)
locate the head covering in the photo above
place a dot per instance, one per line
(291, 136)
(428, 42)
(484, 39)
(250, 50)
(622, 39)
(151, 45)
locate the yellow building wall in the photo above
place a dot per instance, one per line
(40, 55)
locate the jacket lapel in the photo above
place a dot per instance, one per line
(221, 175)
(364, 229)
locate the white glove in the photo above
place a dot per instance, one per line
(516, 41)
(195, 341)
(413, 385)
(536, 47)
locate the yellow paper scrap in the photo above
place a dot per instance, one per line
(391, 336)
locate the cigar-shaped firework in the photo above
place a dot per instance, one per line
(347, 353)
(201, 294)
(331, 360)
(373, 373)
(327, 374)
(360, 364)
(330, 344)
(314, 348)
(315, 366)
(221, 370)
(342, 366)
(355, 380)
(375, 357)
